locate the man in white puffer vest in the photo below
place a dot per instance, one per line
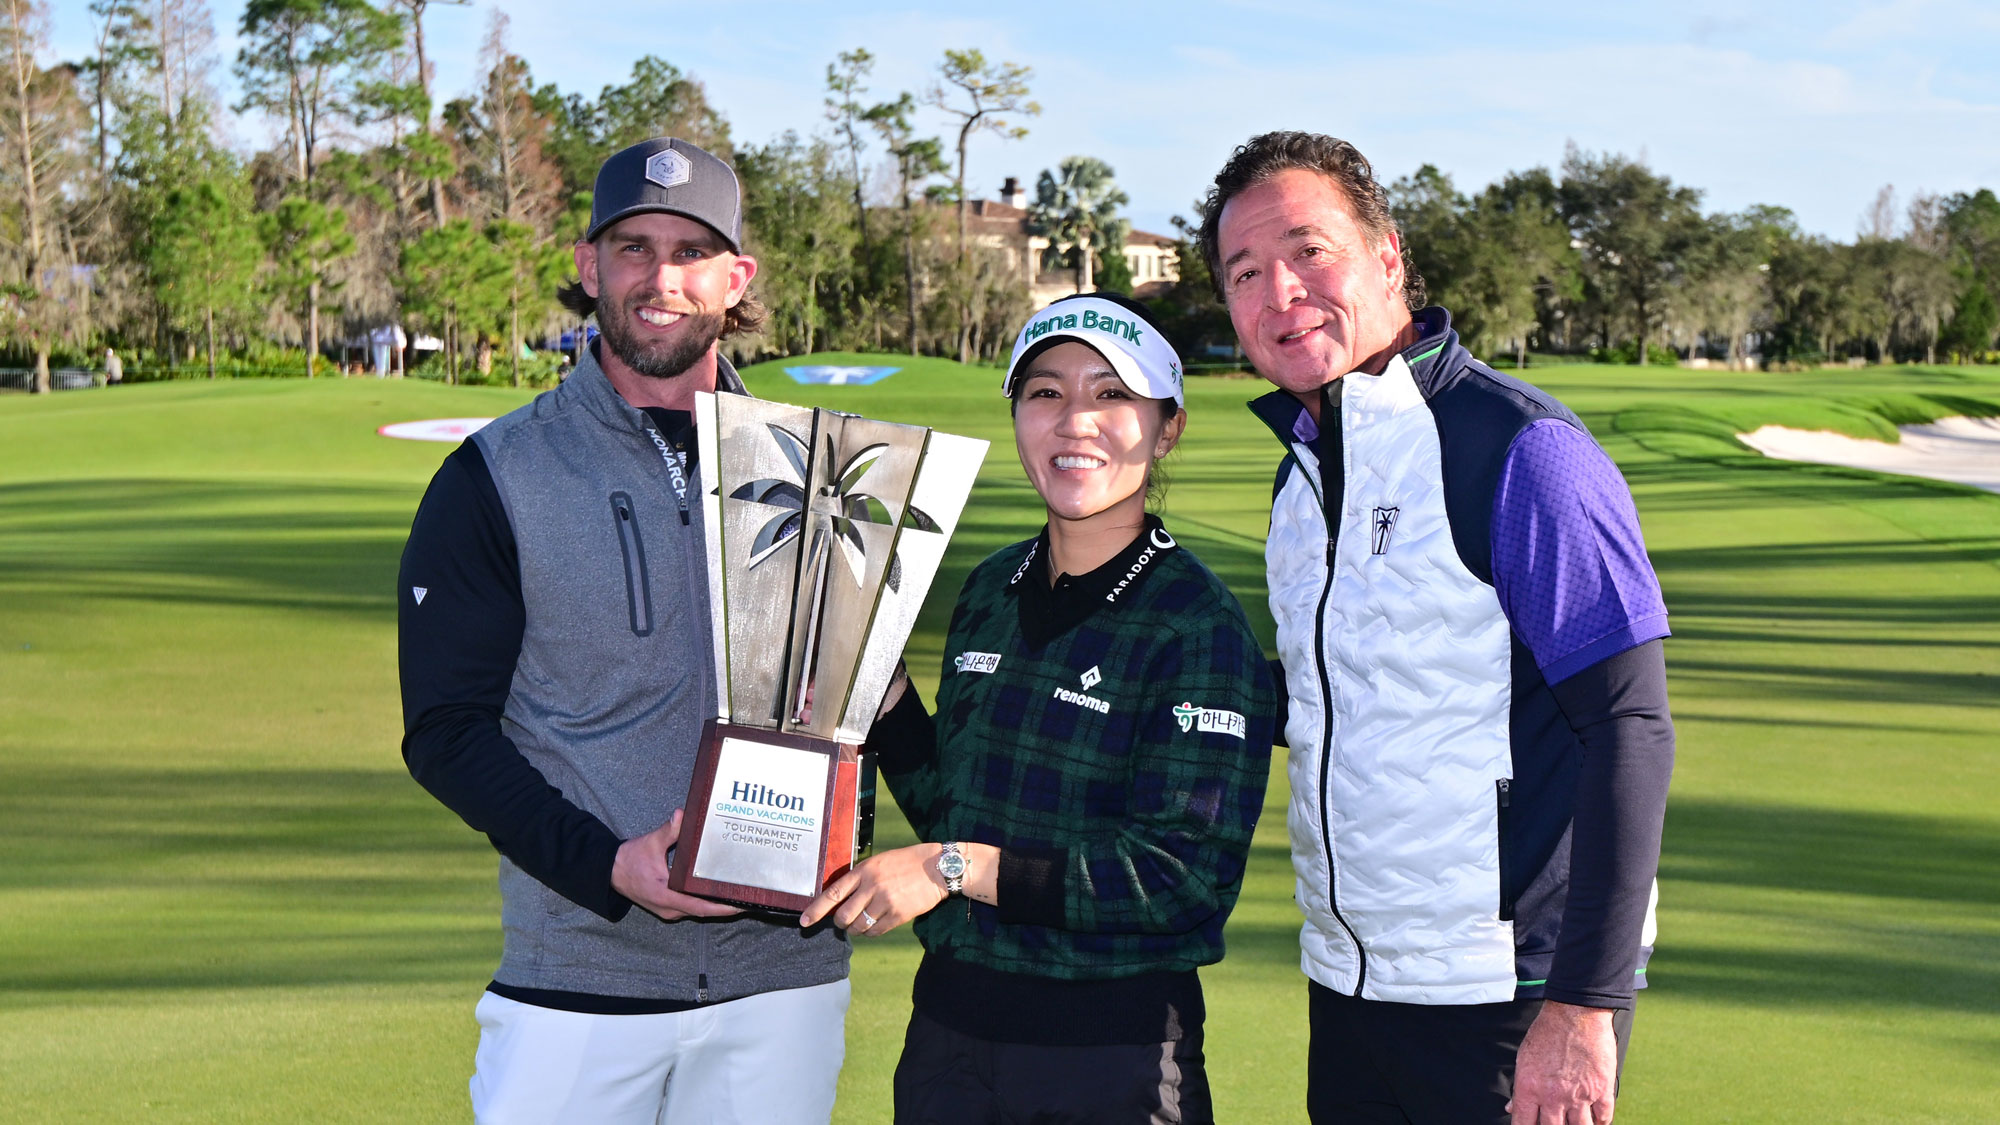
(1471, 635)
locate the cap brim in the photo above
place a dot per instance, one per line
(658, 209)
(1122, 364)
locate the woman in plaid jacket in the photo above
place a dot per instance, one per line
(1089, 784)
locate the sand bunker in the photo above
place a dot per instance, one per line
(1960, 450)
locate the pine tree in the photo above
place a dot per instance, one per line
(304, 62)
(205, 255)
(305, 238)
(988, 90)
(917, 160)
(450, 277)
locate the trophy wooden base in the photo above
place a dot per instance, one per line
(771, 817)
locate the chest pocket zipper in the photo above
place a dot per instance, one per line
(638, 587)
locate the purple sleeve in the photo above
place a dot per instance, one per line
(1569, 563)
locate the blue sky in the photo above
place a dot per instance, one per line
(1810, 106)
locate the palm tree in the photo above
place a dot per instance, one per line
(1076, 208)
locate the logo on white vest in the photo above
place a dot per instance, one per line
(1384, 525)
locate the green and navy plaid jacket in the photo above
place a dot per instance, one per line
(1120, 767)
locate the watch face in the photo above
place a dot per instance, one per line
(951, 865)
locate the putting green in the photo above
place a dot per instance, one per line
(223, 900)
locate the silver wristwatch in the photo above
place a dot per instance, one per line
(951, 865)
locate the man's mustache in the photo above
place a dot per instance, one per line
(653, 302)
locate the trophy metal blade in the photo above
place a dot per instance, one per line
(937, 499)
(708, 486)
(824, 533)
(862, 474)
(756, 540)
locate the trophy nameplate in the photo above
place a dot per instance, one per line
(823, 532)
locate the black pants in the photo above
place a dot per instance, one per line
(945, 1078)
(1418, 1064)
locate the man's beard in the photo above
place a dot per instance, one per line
(661, 359)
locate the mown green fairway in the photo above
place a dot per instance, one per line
(221, 898)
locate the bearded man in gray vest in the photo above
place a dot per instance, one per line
(556, 672)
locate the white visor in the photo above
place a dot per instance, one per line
(1142, 358)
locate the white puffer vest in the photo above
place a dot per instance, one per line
(1397, 670)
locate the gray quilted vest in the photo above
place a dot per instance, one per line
(614, 682)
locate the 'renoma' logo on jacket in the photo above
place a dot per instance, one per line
(1090, 679)
(1382, 526)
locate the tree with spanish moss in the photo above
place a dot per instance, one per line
(118, 47)
(449, 278)
(45, 293)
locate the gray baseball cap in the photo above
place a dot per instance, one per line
(671, 176)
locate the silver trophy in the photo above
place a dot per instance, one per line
(824, 531)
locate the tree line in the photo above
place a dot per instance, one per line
(1613, 257)
(129, 224)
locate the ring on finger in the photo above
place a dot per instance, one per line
(867, 920)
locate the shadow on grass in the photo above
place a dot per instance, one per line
(1820, 722)
(1831, 555)
(1699, 631)
(249, 813)
(290, 544)
(1883, 855)
(1876, 684)
(1896, 873)
(147, 879)
(1776, 480)
(1891, 608)
(1964, 980)
(1901, 867)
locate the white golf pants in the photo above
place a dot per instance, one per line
(773, 1057)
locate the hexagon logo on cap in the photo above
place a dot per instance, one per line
(668, 168)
